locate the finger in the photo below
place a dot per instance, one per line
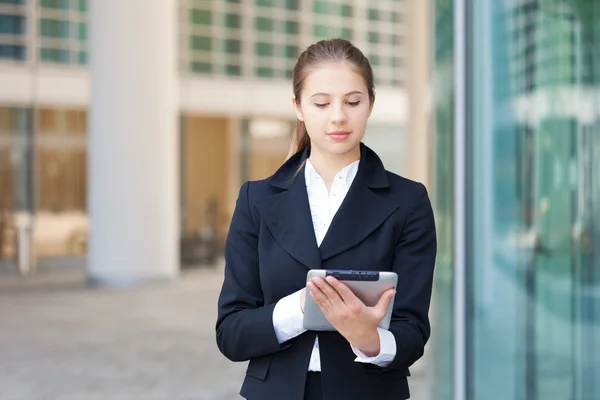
(328, 290)
(317, 295)
(344, 291)
(384, 302)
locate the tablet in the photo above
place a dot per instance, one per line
(366, 285)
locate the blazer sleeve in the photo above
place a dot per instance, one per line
(244, 326)
(414, 260)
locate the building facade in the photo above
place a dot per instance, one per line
(517, 193)
(233, 63)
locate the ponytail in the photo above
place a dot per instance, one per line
(300, 139)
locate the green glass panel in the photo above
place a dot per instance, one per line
(82, 57)
(264, 24)
(82, 31)
(373, 14)
(320, 31)
(12, 24)
(200, 17)
(373, 37)
(264, 72)
(11, 52)
(232, 46)
(347, 10)
(395, 16)
(201, 67)
(233, 20)
(292, 27)
(292, 4)
(263, 49)
(265, 3)
(292, 51)
(201, 43)
(320, 7)
(346, 34)
(234, 70)
(57, 4)
(54, 28)
(55, 55)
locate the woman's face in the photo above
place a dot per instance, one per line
(334, 105)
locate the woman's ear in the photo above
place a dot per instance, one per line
(297, 109)
(372, 104)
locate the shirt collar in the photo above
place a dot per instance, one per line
(348, 173)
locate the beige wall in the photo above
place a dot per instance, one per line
(418, 135)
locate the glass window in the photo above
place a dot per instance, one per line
(291, 4)
(232, 46)
(201, 67)
(292, 27)
(82, 57)
(373, 14)
(201, 43)
(347, 10)
(534, 207)
(265, 72)
(201, 17)
(233, 70)
(346, 34)
(265, 3)
(320, 31)
(12, 1)
(12, 24)
(320, 7)
(395, 17)
(264, 24)
(55, 55)
(58, 4)
(442, 194)
(82, 31)
(232, 20)
(373, 37)
(292, 51)
(264, 49)
(82, 5)
(12, 52)
(374, 59)
(54, 28)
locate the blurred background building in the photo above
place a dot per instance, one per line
(517, 193)
(233, 64)
(495, 105)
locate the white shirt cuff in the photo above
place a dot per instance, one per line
(288, 317)
(387, 350)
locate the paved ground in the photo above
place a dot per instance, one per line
(61, 340)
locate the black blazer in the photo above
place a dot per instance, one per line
(385, 223)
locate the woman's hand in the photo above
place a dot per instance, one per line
(348, 314)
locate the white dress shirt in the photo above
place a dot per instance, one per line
(287, 315)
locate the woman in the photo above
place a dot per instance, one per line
(331, 205)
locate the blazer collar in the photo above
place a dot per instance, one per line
(288, 217)
(370, 170)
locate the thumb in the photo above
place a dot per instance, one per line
(384, 302)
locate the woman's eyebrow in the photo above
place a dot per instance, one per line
(347, 94)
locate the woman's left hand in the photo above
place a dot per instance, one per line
(349, 315)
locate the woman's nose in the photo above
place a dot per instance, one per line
(337, 114)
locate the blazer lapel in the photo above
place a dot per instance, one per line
(364, 209)
(287, 214)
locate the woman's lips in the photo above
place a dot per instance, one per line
(338, 135)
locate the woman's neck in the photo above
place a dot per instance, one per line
(328, 165)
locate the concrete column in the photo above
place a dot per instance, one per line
(133, 185)
(418, 143)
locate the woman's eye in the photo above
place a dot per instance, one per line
(353, 103)
(321, 105)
